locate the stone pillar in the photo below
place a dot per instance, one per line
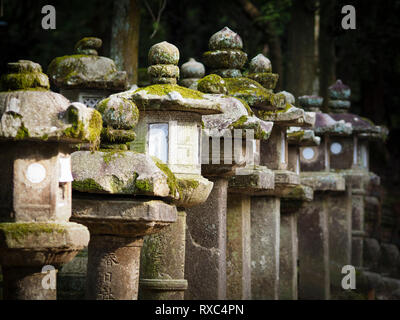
(113, 268)
(289, 247)
(238, 251)
(340, 236)
(314, 278)
(163, 263)
(265, 219)
(205, 261)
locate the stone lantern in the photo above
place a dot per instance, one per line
(230, 160)
(324, 225)
(191, 72)
(226, 58)
(350, 156)
(290, 207)
(85, 76)
(169, 129)
(121, 196)
(37, 127)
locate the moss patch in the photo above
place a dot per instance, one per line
(165, 89)
(110, 155)
(18, 231)
(174, 188)
(86, 185)
(22, 132)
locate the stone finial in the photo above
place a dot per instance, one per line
(191, 71)
(260, 64)
(225, 39)
(23, 75)
(225, 57)
(339, 95)
(260, 70)
(120, 116)
(310, 103)
(88, 46)
(163, 59)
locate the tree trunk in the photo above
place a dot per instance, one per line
(125, 37)
(301, 64)
(327, 55)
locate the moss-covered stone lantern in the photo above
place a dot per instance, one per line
(324, 225)
(37, 127)
(169, 130)
(85, 76)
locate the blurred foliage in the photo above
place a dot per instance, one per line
(276, 13)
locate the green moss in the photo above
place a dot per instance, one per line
(186, 184)
(296, 135)
(24, 81)
(66, 67)
(112, 154)
(164, 89)
(77, 129)
(86, 185)
(213, 84)
(22, 132)
(174, 188)
(112, 135)
(18, 231)
(120, 186)
(144, 185)
(271, 115)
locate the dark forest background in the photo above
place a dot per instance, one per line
(303, 39)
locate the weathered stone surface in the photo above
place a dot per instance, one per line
(39, 237)
(169, 97)
(163, 53)
(265, 235)
(122, 172)
(254, 181)
(314, 277)
(301, 137)
(118, 112)
(310, 103)
(192, 69)
(288, 256)
(225, 39)
(260, 64)
(390, 260)
(291, 116)
(121, 217)
(32, 114)
(205, 259)
(88, 45)
(113, 268)
(163, 263)
(323, 181)
(238, 247)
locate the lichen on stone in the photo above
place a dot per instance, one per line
(86, 185)
(165, 89)
(19, 230)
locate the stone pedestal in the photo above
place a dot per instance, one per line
(117, 228)
(238, 257)
(265, 219)
(162, 263)
(205, 260)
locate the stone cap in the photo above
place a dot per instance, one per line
(363, 127)
(236, 115)
(301, 137)
(169, 97)
(35, 113)
(255, 181)
(253, 93)
(310, 103)
(86, 70)
(323, 181)
(290, 116)
(325, 124)
(192, 69)
(118, 172)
